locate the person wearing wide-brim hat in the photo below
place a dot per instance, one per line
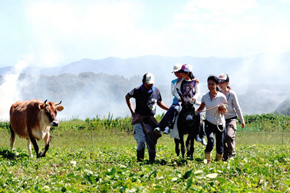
(231, 116)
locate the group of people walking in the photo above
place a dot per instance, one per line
(220, 104)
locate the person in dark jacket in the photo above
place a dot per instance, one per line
(147, 97)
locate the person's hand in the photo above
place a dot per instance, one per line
(133, 113)
(222, 109)
(194, 100)
(243, 125)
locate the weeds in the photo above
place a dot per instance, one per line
(98, 155)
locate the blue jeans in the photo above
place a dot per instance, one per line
(141, 138)
(210, 130)
(168, 117)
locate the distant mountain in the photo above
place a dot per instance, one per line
(5, 70)
(261, 81)
(257, 68)
(160, 66)
(284, 108)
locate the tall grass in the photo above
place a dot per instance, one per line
(260, 129)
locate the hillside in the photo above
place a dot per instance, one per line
(284, 108)
(88, 94)
(258, 68)
(97, 87)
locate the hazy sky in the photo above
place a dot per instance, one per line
(59, 32)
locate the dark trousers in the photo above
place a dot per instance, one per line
(168, 117)
(141, 138)
(201, 130)
(210, 130)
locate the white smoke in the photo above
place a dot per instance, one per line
(9, 89)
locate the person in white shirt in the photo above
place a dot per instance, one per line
(233, 110)
(175, 107)
(213, 124)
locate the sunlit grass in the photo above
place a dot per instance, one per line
(93, 156)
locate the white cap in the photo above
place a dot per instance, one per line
(177, 67)
(149, 78)
(186, 68)
(224, 78)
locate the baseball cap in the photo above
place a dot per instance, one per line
(224, 78)
(186, 68)
(177, 67)
(149, 78)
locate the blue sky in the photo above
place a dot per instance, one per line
(54, 33)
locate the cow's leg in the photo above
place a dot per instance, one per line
(12, 139)
(29, 148)
(36, 148)
(177, 150)
(47, 140)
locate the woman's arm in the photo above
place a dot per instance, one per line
(174, 87)
(201, 107)
(238, 108)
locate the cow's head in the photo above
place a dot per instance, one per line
(50, 110)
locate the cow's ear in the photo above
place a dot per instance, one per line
(41, 106)
(59, 108)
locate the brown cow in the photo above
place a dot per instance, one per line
(32, 120)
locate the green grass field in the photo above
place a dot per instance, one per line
(98, 159)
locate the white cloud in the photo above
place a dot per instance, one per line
(58, 25)
(69, 19)
(285, 1)
(221, 6)
(186, 17)
(228, 28)
(95, 30)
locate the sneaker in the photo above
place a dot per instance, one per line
(166, 130)
(203, 141)
(157, 131)
(197, 138)
(231, 157)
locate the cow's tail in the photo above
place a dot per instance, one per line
(12, 139)
(12, 131)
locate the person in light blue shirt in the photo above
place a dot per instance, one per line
(170, 116)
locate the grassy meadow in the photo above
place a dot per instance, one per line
(99, 155)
